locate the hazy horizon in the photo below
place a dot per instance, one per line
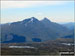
(39, 20)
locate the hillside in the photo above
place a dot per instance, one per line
(32, 30)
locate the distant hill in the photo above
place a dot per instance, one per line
(32, 30)
(69, 25)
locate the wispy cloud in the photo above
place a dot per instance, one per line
(25, 4)
(57, 11)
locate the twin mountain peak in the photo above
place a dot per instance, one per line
(32, 29)
(31, 20)
(35, 19)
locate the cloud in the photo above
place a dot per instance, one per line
(39, 13)
(25, 4)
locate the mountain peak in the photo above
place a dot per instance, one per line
(34, 19)
(46, 20)
(29, 20)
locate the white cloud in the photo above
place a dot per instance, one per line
(39, 13)
(25, 4)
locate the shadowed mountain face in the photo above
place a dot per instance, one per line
(33, 30)
(16, 39)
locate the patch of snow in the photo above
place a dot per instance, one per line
(29, 21)
(32, 20)
(20, 47)
(67, 44)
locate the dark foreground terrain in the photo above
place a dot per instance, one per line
(47, 48)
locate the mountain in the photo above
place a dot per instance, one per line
(55, 27)
(69, 25)
(32, 30)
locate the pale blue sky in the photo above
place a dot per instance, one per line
(56, 11)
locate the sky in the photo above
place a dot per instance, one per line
(55, 11)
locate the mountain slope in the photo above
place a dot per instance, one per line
(69, 25)
(55, 27)
(33, 30)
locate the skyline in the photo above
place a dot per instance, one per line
(56, 11)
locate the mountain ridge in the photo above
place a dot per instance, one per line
(34, 30)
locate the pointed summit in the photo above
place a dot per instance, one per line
(46, 20)
(29, 20)
(33, 19)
